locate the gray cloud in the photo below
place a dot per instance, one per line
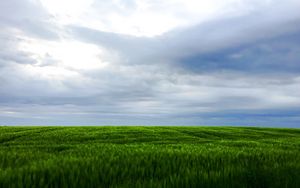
(196, 74)
(280, 19)
(29, 17)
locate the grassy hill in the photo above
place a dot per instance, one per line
(149, 157)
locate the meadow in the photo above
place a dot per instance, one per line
(149, 157)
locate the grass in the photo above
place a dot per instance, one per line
(149, 157)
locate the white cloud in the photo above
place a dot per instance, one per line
(70, 54)
(145, 17)
(126, 57)
(66, 11)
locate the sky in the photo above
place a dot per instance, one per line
(150, 62)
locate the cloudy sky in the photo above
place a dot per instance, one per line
(150, 62)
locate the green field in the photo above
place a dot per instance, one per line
(149, 157)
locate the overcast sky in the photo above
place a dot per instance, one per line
(150, 62)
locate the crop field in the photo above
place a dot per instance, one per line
(149, 157)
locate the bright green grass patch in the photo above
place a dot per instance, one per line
(149, 157)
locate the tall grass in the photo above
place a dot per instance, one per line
(149, 157)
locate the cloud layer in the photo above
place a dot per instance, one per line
(147, 62)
